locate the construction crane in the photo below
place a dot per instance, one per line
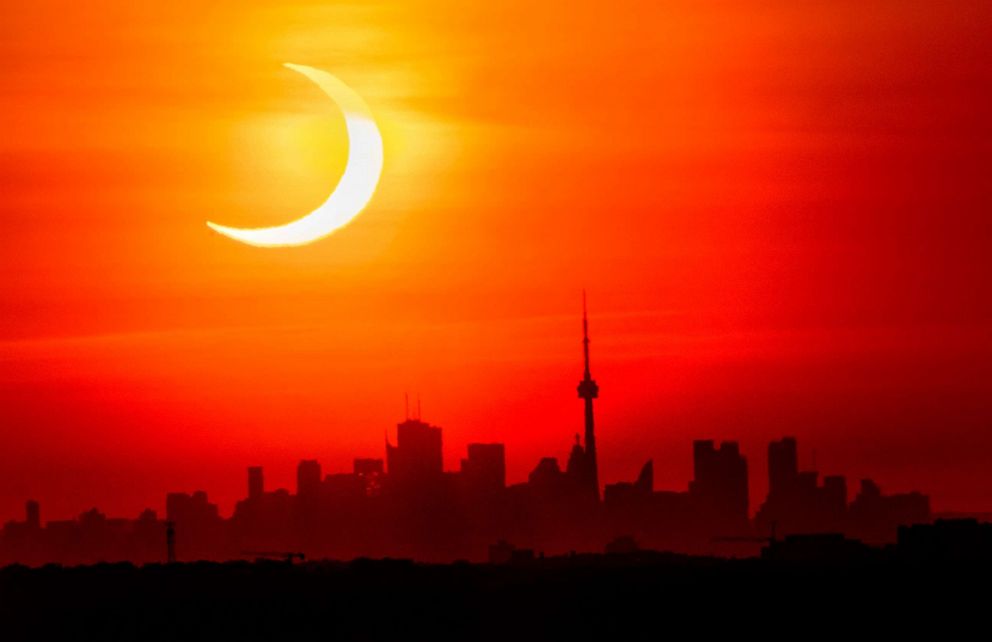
(287, 556)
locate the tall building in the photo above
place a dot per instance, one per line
(589, 390)
(797, 503)
(32, 514)
(719, 485)
(184, 508)
(198, 529)
(370, 473)
(835, 496)
(308, 478)
(363, 466)
(783, 466)
(256, 482)
(417, 453)
(484, 470)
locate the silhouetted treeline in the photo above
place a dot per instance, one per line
(865, 591)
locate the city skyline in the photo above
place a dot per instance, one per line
(588, 390)
(405, 504)
(711, 517)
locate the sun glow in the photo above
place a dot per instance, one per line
(353, 191)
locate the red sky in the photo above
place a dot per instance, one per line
(782, 213)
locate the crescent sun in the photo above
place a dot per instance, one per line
(353, 191)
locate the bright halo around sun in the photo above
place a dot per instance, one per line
(353, 191)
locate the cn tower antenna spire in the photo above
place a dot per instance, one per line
(585, 335)
(589, 390)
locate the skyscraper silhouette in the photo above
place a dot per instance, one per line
(589, 390)
(484, 470)
(417, 453)
(308, 476)
(783, 467)
(32, 512)
(256, 482)
(719, 486)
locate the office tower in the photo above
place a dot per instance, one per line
(484, 469)
(32, 514)
(417, 453)
(308, 478)
(720, 482)
(256, 482)
(783, 466)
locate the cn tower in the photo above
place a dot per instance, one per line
(589, 390)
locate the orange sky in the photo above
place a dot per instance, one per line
(781, 212)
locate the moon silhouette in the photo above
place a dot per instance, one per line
(352, 193)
